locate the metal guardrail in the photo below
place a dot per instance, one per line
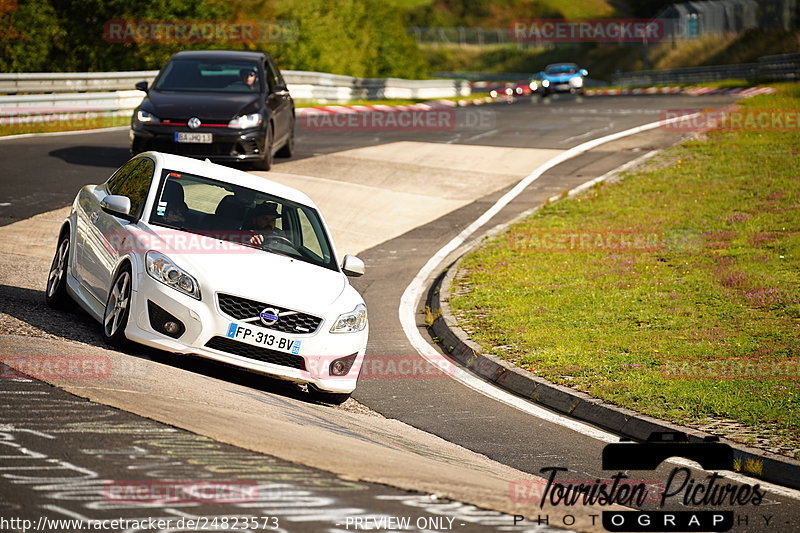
(63, 82)
(320, 87)
(784, 67)
(112, 91)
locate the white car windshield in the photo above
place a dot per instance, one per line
(245, 216)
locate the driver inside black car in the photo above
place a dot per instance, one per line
(248, 77)
(262, 223)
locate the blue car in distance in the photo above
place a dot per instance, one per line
(561, 78)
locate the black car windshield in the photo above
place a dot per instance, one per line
(247, 217)
(562, 69)
(217, 76)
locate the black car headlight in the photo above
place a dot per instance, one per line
(146, 118)
(243, 122)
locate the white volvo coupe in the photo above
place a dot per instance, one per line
(196, 258)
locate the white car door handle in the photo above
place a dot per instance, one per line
(93, 217)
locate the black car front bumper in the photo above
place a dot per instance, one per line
(228, 144)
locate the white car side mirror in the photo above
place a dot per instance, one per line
(119, 206)
(353, 266)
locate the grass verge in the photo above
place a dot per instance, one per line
(675, 292)
(72, 124)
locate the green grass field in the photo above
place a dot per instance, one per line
(675, 292)
(63, 125)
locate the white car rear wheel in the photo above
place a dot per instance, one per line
(56, 293)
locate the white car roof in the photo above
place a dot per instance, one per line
(229, 175)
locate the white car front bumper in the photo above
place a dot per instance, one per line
(208, 332)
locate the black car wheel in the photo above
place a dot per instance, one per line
(137, 146)
(118, 308)
(56, 294)
(265, 163)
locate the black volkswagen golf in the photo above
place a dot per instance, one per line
(222, 105)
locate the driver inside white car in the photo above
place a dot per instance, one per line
(262, 222)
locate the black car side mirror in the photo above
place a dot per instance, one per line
(142, 86)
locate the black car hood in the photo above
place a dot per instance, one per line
(207, 106)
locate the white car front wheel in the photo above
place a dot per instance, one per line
(335, 398)
(115, 318)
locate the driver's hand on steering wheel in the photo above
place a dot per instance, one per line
(259, 239)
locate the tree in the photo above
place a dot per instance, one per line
(27, 33)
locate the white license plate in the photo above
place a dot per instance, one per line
(259, 337)
(188, 137)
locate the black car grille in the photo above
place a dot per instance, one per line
(264, 355)
(288, 322)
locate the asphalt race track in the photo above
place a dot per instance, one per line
(392, 197)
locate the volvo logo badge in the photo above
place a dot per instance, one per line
(194, 123)
(269, 316)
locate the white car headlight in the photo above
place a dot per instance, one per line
(352, 322)
(147, 118)
(161, 268)
(545, 83)
(577, 81)
(246, 121)
(533, 85)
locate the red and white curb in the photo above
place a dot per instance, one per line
(691, 91)
(382, 108)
